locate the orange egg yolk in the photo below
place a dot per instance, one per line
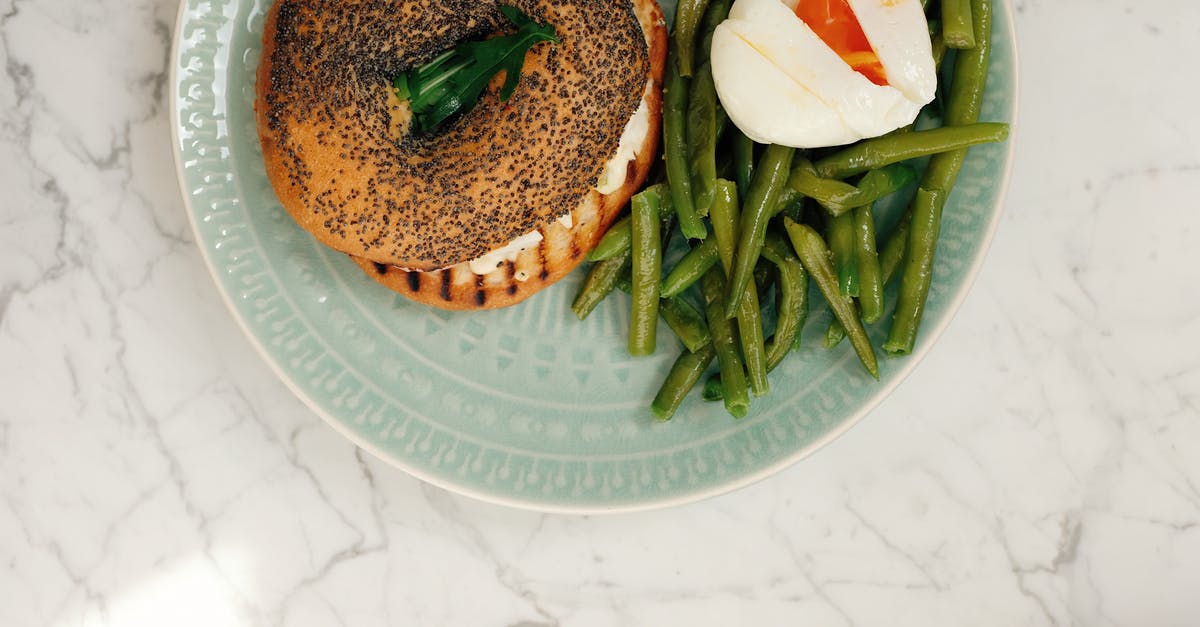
(835, 23)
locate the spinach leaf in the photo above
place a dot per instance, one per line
(451, 83)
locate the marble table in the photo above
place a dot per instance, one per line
(1041, 467)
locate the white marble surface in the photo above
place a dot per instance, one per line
(1042, 467)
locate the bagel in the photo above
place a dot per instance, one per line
(435, 216)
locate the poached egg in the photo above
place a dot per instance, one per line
(816, 73)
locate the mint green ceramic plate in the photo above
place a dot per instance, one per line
(525, 406)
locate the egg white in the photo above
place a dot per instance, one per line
(780, 83)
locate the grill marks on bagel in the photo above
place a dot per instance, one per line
(502, 170)
(559, 252)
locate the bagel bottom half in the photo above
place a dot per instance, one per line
(561, 248)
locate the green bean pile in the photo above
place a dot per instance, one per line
(762, 222)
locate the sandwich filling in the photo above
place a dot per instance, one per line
(611, 179)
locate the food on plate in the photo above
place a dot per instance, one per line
(460, 206)
(761, 221)
(467, 155)
(815, 73)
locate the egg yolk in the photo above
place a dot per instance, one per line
(835, 23)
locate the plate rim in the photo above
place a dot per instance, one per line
(736, 483)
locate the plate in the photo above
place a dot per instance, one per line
(524, 406)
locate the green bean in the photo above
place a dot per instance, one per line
(965, 98)
(687, 323)
(716, 13)
(666, 204)
(713, 390)
(889, 179)
(619, 236)
(937, 44)
(875, 153)
(600, 281)
(724, 217)
(956, 24)
(647, 274)
(691, 267)
(733, 376)
(743, 161)
(685, 372)
(790, 204)
(892, 254)
(770, 177)
(870, 277)
(834, 334)
(804, 308)
(616, 240)
(816, 259)
(688, 14)
(792, 290)
(832, 194)
(917, 272)
(675, 151)
(702, 138)
(964, 101)
(793, 309)
(838, 197)
(793, 306)
(679, 314)
(839, 232)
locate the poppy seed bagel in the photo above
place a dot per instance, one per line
(561, 248)
(404, 204)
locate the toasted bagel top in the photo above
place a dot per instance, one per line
(326, 123)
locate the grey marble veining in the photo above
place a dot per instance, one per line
(1041, 467)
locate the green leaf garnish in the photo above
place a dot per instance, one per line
(402, 90)
(450, 84)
